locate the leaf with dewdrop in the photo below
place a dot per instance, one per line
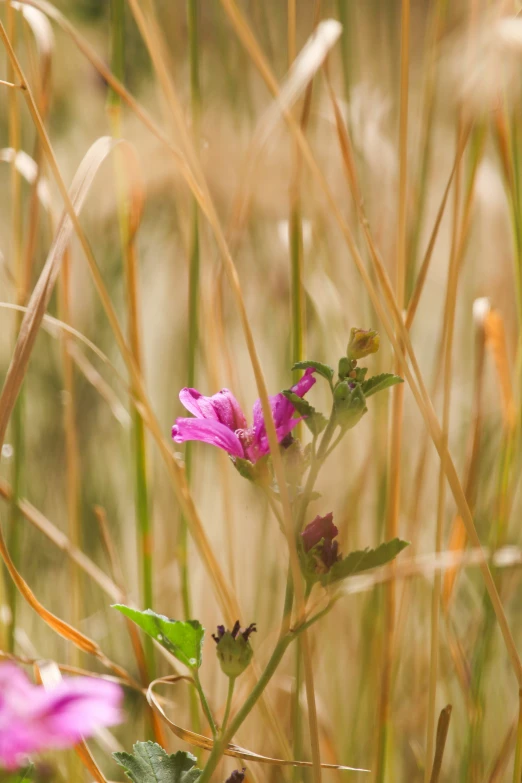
(380, 382)
(314, 420)
(322, 369)
(183, 639)
(363, 560)
(151, 764)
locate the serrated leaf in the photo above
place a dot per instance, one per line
(316, 423)
(380, 382)
(302, 406)
(183, 639)
(151, 764)
(363, 560)
(323, 369)
(314, 420)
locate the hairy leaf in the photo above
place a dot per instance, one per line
(151, 764)
(323, 369)
(380, 382)
(315, 421)
(182, 639)
(363, 560)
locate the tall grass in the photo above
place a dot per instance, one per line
(249, 216)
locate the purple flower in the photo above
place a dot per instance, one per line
(320, 533)
(33, 719)
(220, 421)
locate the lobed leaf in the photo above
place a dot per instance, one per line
(323, 369)
(151, 764)
(314, 420)
(380, 382)
(363, 560)
(183, 639)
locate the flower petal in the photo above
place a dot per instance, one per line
(305, 383)
(282, 412)
(222, 407)
(208, 431)
(33, 719)
(320, 527)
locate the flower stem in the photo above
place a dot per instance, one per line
(231, 685)
(204, 704)
(269, 671)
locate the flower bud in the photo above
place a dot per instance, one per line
(362, 343)
(233, 648)
(350, 403)
(237, 776)
(320, 549)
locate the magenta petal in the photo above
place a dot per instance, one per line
(305, 383)
(33, 719)
(208, 431)
(77, 706)
(222, 407)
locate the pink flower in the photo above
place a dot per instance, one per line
(220, 421)
(33, 719)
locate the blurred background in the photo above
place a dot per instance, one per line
(438, 178)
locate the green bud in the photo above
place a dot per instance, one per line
(362, 343)
(350, 403)
(233, 648)
(346, 366)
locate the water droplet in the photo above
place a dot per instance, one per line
(7, 451)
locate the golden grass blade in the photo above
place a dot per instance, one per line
(402, 347)
(496, 343)
(227, 599)
(44, 287)
(51, 325)
(199, 741)
(60, 540)
(458, 537)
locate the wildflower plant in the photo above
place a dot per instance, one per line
(219, 421)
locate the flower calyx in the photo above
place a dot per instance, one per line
(233, 648)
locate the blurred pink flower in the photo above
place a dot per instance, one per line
(220, 421)
(33, 719)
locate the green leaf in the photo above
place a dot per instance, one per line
(323, 369)
(380, 382)
(151, 764)
(363, 560)
(314, 420)
(182, 639)
(302, 406)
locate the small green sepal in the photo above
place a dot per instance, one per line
(349, 403)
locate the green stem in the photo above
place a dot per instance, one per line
(231, 686)
(297, 722)
(205, 704)
(269, 671)
(315, 467)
